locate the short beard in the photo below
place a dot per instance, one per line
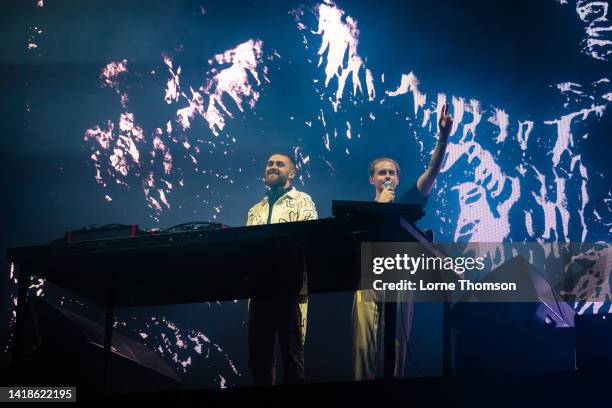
(276, 183)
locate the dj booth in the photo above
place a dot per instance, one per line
(215, 264)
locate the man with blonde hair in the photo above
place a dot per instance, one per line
(368, 313)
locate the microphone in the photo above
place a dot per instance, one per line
(388, 184)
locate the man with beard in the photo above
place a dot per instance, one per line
(282, 316)
(368, 312)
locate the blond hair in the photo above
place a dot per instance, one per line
(382, 159)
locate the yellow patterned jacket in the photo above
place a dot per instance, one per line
(294, 205)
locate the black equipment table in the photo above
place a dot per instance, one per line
(216, 265)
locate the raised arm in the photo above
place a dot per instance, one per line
(427, 179)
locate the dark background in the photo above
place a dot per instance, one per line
(504, 54)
